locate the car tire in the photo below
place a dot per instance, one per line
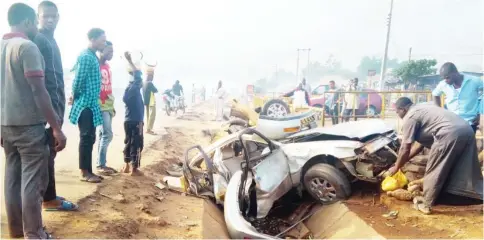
(326, 183)
(371, 111)
(275, 103)
(320, 114)
(318, 105)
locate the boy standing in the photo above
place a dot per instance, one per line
(133, 123)
(106, 100)
(149, 91)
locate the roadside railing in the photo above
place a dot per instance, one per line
(365, 104)
(368, 104)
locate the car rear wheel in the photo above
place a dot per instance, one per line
(276, 108)
(319, 114)
(326, 184)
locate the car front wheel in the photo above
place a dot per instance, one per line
(326, 184)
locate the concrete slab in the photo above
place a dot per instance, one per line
(330, 221)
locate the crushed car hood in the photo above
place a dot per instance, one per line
(300, 153)
(352, 130)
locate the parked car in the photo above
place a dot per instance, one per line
(321, 161)
(319, 96)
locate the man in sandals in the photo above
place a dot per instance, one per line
(133, 123)
(85, 112)
(26, 107)
(452, 165)
(106, 100)
(54, 82)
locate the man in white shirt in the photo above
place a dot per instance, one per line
(352, 100)
(306, 87)
(220, 95)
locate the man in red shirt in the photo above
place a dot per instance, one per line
(106, 101)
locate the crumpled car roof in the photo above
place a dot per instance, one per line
(352, 130)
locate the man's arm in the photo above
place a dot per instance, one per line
(93, 86)
(403, 155)
(410, 127)
(46, 50)
(416, 149)
(84, 63)
(33, 65)
(437, 92)
(153, 88)
(479, 88)
(133, 87)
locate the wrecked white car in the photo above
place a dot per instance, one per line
(321, 161)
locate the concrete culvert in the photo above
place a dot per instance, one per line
(329, 221)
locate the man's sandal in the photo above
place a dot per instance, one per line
(65, 206)
(91, 179)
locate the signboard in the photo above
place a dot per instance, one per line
(371, 73)
(250, 93)
(250, 89)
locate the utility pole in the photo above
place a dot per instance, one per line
(385, 56)
(297, 66)
(277, 73)
(307, 68)
(410, 54)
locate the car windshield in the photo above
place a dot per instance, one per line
(321, 89)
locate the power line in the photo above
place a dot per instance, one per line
(449, 54)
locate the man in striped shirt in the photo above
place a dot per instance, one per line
(86, 112)
(54, 82)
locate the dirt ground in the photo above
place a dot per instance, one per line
(132, 207)
(446, 221)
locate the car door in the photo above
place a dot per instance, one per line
(271, 172)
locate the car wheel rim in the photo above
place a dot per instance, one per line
(323, 189)
(276, 110)
(370, 112)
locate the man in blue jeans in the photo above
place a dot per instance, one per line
(106, 102)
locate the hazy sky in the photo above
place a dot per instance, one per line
(240, 41)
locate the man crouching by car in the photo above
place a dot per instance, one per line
(452, 164)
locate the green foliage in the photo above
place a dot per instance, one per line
(411, 70)
(372, 63)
